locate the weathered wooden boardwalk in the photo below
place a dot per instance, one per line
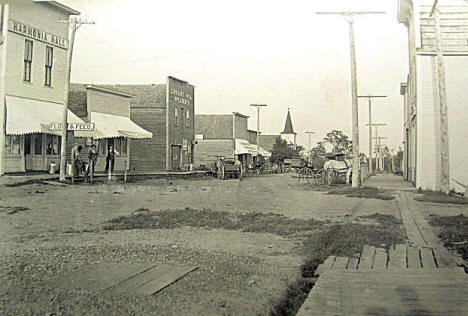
(403, 280)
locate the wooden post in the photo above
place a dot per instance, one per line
(109, 173)
(444, 138)
(91, 171)
(125, 171)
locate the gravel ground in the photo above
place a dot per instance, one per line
(46, 230)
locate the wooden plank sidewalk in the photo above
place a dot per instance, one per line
(402, 280)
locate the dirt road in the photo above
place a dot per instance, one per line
(47, 230)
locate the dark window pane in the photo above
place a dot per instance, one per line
(38, 144)
(27, 145)
(123, 146)
(7, 144)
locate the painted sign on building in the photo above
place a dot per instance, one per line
(72, 127)
(32, 32)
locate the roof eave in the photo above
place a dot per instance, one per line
(97, 88)
(60, 6)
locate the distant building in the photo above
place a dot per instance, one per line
(422, 154)
(167, 111)
(225, 135)
(33, 60)
(288, 132)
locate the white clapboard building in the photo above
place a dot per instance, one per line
(33, 57)
(422, 154)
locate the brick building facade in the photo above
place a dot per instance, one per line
(167, 111)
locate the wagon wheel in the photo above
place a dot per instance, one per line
(300, 174)
(308, 174)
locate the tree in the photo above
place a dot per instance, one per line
(284, 150)
(341, 142)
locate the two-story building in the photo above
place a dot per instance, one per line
(422, 150)
(33, 59)
(225, 135)
(167, 111)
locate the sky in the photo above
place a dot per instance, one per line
(237, 53)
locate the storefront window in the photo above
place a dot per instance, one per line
(123, 146)
(38, 144)
(8, 144)
(117, 145)
(53, 145)
(27, 145)
(12, 144)
(102, 146)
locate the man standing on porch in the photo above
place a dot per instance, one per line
(110, 158)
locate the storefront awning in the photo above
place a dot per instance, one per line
(27, 116)
(264, 153)
(110, 126)
(244, 147)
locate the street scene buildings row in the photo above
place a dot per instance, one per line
(155, 128)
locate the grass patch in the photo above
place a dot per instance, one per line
(384, 219)
(453, 232)
(338, 240)
(9, 210)
(246, 222)
(321, 240)
(439, 197)
(363, 193)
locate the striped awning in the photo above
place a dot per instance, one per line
(28, 116)
(111, 126)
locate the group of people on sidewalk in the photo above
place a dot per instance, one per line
(79, 165)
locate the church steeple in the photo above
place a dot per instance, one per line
(288, 127)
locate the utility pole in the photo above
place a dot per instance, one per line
(258, 106)
(378, 158)
(444, 139)
(74, 24)
(369, 100)
(350, 17)
(370, 143)
(310, 150)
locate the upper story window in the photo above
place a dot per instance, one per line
(48, 66)
(187, 118)
(28, 57)
(176, 116)
(182, 113)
